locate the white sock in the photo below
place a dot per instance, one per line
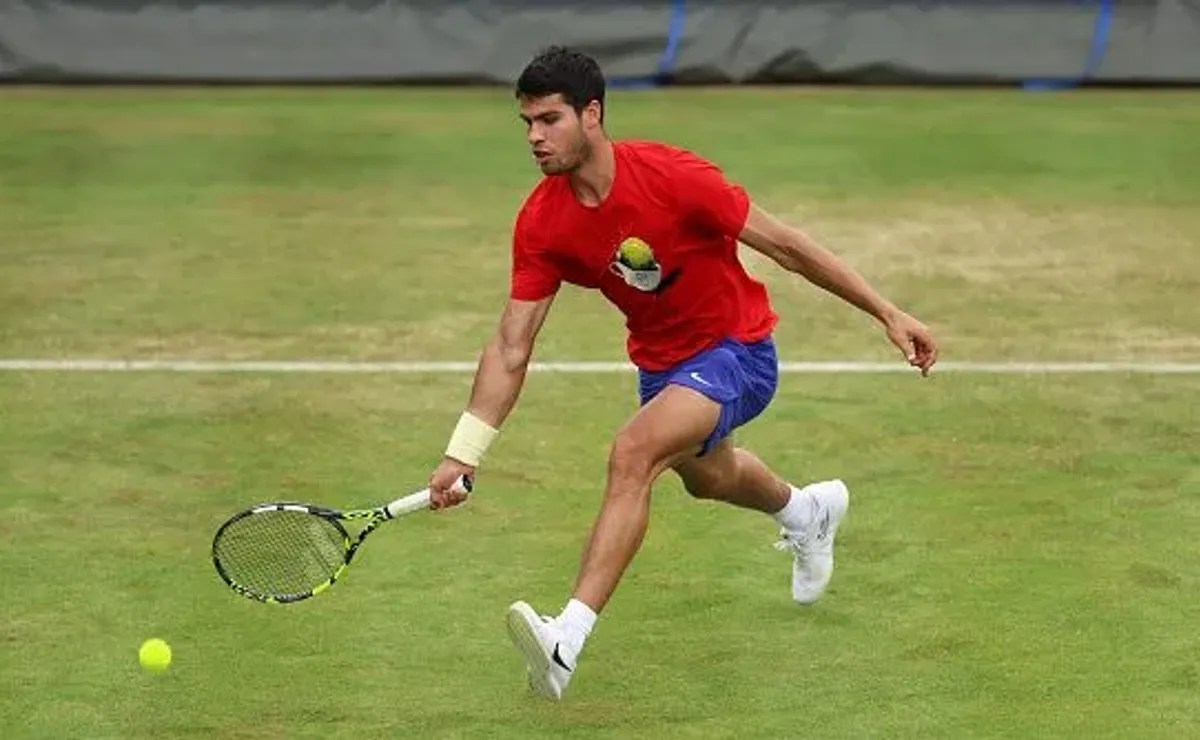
(577, 620)
(797, 513)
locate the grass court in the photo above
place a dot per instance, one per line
(1020, 556)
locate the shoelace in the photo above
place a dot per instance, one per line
(793, 542)
(798, 542)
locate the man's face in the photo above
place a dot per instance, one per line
(557, 134)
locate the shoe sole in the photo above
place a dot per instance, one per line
(521, 618)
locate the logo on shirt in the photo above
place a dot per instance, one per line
(635, 263)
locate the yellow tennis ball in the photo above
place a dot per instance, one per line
(637, 254)
(155, 655)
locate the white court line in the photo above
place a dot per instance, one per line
(320, 366)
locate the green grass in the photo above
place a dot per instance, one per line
(1019, 560)
(283, 224)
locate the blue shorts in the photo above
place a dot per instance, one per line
(740, 377)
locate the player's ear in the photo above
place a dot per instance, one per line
(592, 114)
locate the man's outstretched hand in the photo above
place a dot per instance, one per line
(914, 340)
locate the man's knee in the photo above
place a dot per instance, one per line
(666, 430)
(630, 459)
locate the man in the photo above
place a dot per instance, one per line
(655, 229)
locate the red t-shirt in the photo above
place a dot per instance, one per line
(687, 292)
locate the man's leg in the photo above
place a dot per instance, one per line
(672, 426)
(809, 516)
(736, 476)
(669, 428)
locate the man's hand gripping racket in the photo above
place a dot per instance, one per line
(284, 552)
(444, 490)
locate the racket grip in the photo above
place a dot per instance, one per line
(420, 500)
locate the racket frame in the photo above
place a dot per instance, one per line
(402, 506)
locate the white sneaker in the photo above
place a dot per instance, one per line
(812, 548)
(538, 638)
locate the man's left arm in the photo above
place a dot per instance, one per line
(797, 252)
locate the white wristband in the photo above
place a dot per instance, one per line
(470, 440)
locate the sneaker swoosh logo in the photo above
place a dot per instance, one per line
(696, 377)
(557, 658)
(825, 525)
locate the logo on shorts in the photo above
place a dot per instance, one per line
(635, 263)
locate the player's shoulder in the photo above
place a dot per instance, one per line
(541, 197)
(540, 201)
(660, 153)
(537, 214)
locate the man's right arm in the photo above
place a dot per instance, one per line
(498, 382)
(501, 372)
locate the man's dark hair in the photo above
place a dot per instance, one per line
(573, 74)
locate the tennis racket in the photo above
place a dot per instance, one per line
(284, 552)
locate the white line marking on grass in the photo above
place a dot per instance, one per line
(322, 366)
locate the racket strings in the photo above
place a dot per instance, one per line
(281, 552)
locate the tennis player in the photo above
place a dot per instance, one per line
(655, 229)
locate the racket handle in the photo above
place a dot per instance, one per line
(420, 500)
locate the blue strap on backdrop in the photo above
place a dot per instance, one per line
(1101, 32)
(666, 61)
